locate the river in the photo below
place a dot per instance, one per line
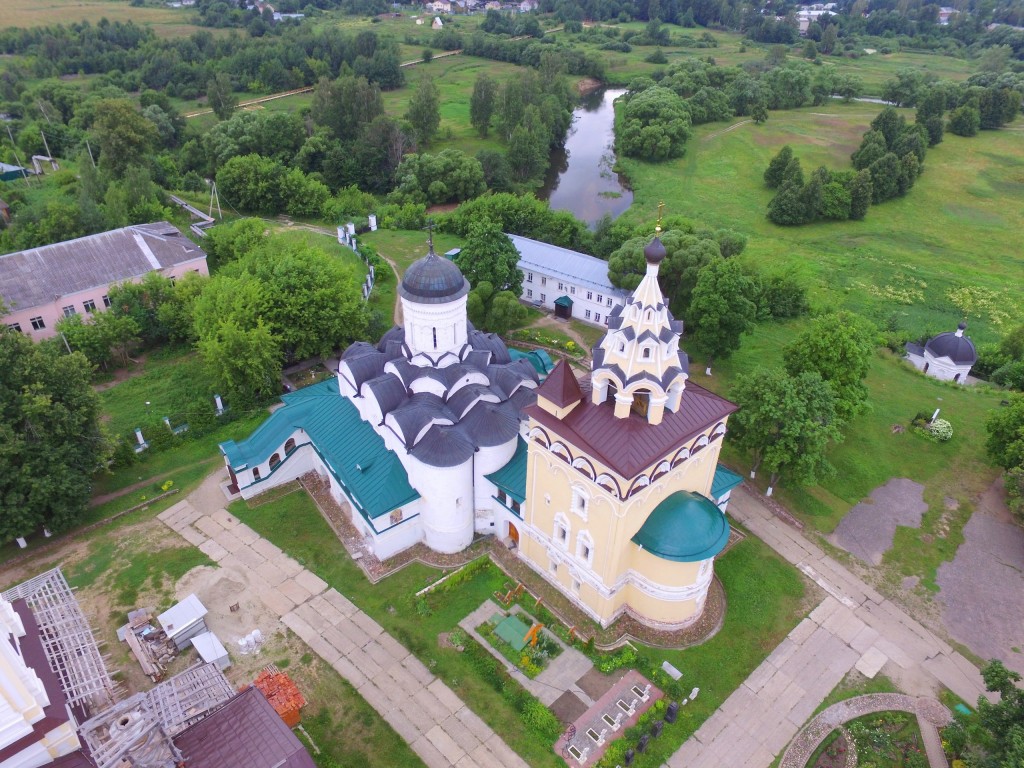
(580, 178)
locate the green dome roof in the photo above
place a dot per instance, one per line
(685, 528)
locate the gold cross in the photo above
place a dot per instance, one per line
(661, 211)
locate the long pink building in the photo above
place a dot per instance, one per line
(41, 285)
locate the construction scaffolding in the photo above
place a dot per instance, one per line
(140, 729)
(68, 640)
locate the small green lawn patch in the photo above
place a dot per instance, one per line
(507, 635)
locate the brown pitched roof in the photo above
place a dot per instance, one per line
(631, 445)
(245, 732)
(561, 386)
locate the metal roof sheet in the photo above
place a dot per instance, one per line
(684, 528)
(575, 267)
(630, 445)
(512, 477)
(353, 451)
(245, 732)
(725, 480)
(181, 616)
(39, 275)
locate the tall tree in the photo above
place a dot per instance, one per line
(124, 136)
(220, 95)
(51, 440)
(1005, 444)
(837, 347)
(244, 362)
(721, 311)
(345, 105)
(424, 112)
(786, 423)
(481, 103)
(777, 167)
(489, 256)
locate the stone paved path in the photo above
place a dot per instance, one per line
(853, 627)
(420, 707)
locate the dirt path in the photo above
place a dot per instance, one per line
(732, 127)
(394, 269)
(103, 498)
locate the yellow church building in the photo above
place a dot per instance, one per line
(620, 469)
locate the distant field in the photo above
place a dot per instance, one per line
(950, 249)
(166, 22)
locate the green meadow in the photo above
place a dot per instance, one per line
(949, 250)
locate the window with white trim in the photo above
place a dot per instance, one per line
(572, 289)
(543, 298)
(543, 281)
(561, 532)
(590, 295)
(529, 293)
(16, 327)
(529, 277)
(89, 306)
(597, 317)
(600, 298)
(609, 301)
(585, 548)
(38, 323)
(586, 314)
(70, 310)
(580, 500)
(561, 286)
(106, 302)
(553, 567)
(576, 586)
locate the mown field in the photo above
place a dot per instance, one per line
(947, 251)
(166, 22)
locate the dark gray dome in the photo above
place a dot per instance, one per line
(433, 280)
(953, 345)
(655, 251)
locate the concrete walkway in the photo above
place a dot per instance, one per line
(853, 627)
(420, 707)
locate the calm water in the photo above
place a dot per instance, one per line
(580, 179)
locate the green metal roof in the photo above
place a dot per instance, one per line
(563, 301)
(725, 480)
(684, 528)
(538, 358)
(512, 631)
(354, 453)
(512, 477)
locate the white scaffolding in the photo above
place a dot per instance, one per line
(140, 729)
(67, 640)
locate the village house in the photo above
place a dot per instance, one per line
(41, 285)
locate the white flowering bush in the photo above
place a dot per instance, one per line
(941, 430)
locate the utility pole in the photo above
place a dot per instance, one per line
(90, 153)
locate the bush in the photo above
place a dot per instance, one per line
(941, 430)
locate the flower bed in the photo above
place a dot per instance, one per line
(531, 659)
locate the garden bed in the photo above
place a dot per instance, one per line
(507, 633)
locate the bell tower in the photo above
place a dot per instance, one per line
(638, 366)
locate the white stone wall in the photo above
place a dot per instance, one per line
(421, 321)
(543, 290)
(447, 498)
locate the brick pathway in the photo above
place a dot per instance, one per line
(420, 707)
(853, 627)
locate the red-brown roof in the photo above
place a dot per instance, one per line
(561, 386)
(245, 732)
(631, 445)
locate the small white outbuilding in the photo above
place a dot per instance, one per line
(211, 650)
(184, 621)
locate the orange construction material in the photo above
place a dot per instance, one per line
(531, 636)
(282, 693)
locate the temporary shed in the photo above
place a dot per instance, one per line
(211, 650)
(12, 172)
(184, 621)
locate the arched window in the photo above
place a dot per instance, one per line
(435, 337)
(585, 548)
(289, 445)
(274, 461)
(255, 473)
(561, 533)
(647, 353)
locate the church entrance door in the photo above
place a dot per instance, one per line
(513, 534)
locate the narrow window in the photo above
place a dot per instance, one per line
(600, 298)
(543, 298)
(572, 290)
(576, 586)
(543, 281)
(274, 461)
(106, 301)
(529, 277)
(553, 566)
(609, 301)
(529, 293)
(256, 473)
(89, 306)
(15, 327)
(38, 323)
(590, 295)
(597, 317)
(586, 313)
(647, 353)
(289, 445)
(435, 337)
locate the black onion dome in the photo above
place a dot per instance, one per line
(955, 346)
(655, 251)
(433, 280)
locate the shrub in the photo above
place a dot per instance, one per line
(941, 430)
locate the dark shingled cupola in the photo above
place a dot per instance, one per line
(433, 280)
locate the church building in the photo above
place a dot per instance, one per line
(607, 485)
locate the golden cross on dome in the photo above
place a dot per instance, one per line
(661, 211)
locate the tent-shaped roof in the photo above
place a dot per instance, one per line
(561, 387)
(684, 528)
(563, 301)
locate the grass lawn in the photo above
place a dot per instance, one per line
(764, 593)
(904, 266)
(406, 246)
(166, 22)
